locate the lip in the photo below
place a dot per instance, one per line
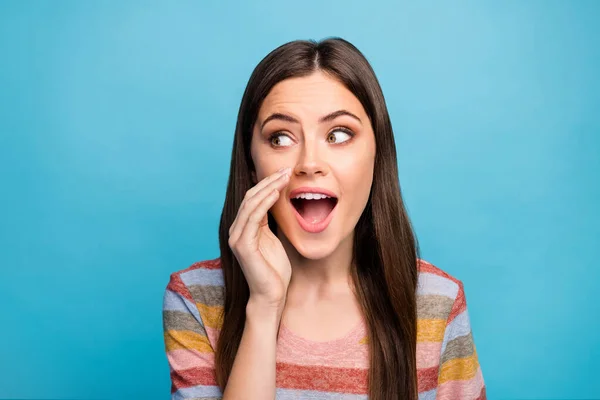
(307, 226)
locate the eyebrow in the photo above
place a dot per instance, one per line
(327, 118)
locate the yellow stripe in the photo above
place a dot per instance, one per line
(430, 330)
(459, 369)
(176, 340)
(212, 316)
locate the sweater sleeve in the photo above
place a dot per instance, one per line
(460, 376)
(190, 355)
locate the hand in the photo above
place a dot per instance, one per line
(261, 255)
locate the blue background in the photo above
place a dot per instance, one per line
(116, 124)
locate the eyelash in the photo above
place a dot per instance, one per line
(337, 128)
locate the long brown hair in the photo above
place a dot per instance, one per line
(386, 251)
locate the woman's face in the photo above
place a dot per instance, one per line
(317, 127)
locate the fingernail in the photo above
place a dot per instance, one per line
(280, 169)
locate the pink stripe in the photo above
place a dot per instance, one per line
(345, 352)
(183, 359)
(428, 354)
(469, 389)
(213, 336)
(355, 357)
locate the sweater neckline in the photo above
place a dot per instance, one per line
(327, 346)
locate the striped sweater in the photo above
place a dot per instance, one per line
(447, 363)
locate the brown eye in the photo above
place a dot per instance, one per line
(280, 140)
(342, 136)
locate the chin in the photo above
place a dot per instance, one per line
(308, 245)
(313, 249)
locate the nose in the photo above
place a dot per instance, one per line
(310, 161)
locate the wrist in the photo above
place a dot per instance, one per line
(263, 312)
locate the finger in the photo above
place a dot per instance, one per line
(249, 206)
(263, 183)
(258, 218)
(259, 186)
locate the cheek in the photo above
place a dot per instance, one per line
(356, 178)
(262, 168)
(267, 163)
(283, 216)
(362, 189)
(260, 159)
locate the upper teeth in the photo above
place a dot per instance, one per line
(311, 196)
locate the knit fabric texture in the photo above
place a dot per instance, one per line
(447, 362)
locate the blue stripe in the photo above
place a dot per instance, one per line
(460, 326)
(196, 392)
(428, 395)
(203, 276)
(434, 284)
(292, 394)
(175, 302)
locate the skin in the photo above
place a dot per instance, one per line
(320, 302)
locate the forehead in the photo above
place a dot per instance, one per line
(313, 95)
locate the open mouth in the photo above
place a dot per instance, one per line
(314, 210)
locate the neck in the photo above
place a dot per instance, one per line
(323, 276)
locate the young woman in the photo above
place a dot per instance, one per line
(319, 291)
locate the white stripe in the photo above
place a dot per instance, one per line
(175, 302)
(292, 394)
(428, 395)
(434, 284)
(195, 392)
(460, 326)
(203, 276)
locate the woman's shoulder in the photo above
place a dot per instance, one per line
(207, 272)
(440, 296)
(434, 280)
(202, 283)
